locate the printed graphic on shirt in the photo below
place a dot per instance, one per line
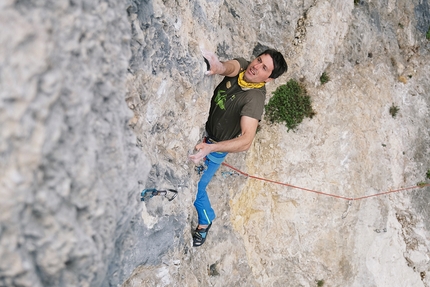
(220, 99)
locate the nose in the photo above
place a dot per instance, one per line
(258, 65)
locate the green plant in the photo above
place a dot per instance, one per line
(290, 104)
(394, 110)
(320, 283)
(421, 183)
(324, 78)
(428, 174)
(356, 2)
(428, 34)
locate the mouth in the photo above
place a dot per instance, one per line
(252, 71)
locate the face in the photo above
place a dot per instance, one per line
(259, 70)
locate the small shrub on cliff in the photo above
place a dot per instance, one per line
(290, 104)
(428, 34)
(324, 78)
(428, 174)
(394, 110)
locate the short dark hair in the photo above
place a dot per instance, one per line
(279, 64)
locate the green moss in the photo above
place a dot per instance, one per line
(290, 104)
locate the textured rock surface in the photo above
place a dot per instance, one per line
(71, 172)
(69, 163)
(271, 235)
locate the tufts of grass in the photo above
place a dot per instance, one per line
(421, 183)
(394, 110)
(324, 78)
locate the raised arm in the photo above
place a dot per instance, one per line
(229, 68)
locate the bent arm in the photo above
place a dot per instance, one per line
(248, 126)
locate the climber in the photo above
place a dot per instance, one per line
(236, 108)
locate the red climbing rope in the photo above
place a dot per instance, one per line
(320, 192)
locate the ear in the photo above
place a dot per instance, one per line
(269, 80)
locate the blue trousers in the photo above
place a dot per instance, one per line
(203, 206)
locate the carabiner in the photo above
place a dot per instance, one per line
(175, 193)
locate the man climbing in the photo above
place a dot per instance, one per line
(236, 108)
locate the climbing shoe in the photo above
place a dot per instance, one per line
(199, 235)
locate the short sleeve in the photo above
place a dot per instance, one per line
(254, 105)
(243, 63)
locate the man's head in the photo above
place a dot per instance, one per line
(267, 66)
(279, 64)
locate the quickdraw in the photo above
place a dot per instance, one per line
(170, 194)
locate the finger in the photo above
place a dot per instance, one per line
(196, 155)
(207, 54)
(208, 66)
(210, 56)
(194, 159)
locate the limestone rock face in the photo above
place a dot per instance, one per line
(101, 100)
(268, 234)
(69, 163)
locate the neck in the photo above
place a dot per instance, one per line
(247, 85)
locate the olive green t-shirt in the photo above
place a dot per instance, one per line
(229, 103)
